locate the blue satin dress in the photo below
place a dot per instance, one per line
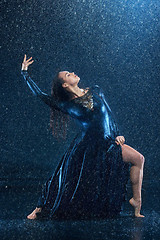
(90, 179)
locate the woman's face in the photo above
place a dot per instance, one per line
(69, 79)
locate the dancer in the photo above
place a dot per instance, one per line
(90, 179)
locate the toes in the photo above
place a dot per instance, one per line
(139, 215)
(31, 216)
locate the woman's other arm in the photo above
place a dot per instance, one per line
(113, 123)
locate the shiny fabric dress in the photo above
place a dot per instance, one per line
(90, 179)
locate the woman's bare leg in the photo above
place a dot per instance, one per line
(33, 214)
(132, 156)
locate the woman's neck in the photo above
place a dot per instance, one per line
(76, 91)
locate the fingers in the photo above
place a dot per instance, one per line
(31, 62)
(24, 58)
(119, 143)
(26, 63)
(120, 140)
(29, 59)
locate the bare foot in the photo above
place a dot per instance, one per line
(33, 214)
(137, 207)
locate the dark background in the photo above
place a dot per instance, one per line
(115, 44)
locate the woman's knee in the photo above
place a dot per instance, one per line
(142, 159)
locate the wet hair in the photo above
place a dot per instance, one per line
(59, 121)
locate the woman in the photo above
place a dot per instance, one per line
(90, 180)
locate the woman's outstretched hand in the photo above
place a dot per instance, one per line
(26, 63)
(120, 140)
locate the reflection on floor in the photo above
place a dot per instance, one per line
(17, 203)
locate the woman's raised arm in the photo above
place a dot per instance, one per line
(33, 86)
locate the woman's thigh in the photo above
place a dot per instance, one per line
(129, 154)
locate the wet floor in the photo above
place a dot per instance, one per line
(18, 203)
